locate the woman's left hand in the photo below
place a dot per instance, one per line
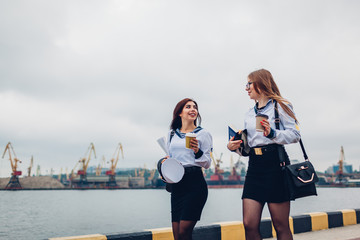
(265, 123)
(194, 145)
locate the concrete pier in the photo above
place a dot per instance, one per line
(342, 224)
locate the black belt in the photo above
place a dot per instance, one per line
(265, 149)
(192, 169)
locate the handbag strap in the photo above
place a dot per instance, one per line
(171, 134)
(303, 150)
(277, 125)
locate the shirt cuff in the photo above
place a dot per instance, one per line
(272, 134)
(198, 154)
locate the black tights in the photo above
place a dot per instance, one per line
(183, 230)
(279, 215)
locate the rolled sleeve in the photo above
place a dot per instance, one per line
(289, 133)
(205, 144)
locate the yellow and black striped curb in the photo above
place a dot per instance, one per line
(235, 230)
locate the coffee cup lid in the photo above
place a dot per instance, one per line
(262, 115)
(171, 170)
(190, 134)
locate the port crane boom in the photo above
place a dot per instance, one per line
(114, 160)
(14, 180)
(85, 163)
(218, 172)
(30, 167)
(340, 172)
(234, 175)
(72, 173)
(100, 166)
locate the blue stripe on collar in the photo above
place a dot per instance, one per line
(256, 109)
(182, 135)
(179, 134)
(197, 129)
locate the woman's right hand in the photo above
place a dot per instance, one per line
(164, 158)
(233, 145)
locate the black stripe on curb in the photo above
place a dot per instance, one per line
(357, 211)
(266, 228)
(335, 219)
(212, 232)
(145, 235)
(302, 223)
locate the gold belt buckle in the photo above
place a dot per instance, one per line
(258, 151)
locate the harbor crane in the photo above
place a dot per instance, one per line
(66, 174)
(218, 172)
(141, 171)
(99, 167)
(30, 167)
(234, 176)
(85, 163)
(38, 170)
(14, 180)
(152, 174)
(114, 160)
(340, 172)
(60, 174)
(72, 173)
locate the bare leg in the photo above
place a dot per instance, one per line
(280, 217)
(175, 230)
(251, 217)
(186, 229)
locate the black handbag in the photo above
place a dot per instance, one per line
(300, 177)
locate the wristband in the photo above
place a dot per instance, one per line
(198, 154)
(272, 134)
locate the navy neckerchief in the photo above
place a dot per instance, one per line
(256, 109)
(182, 135)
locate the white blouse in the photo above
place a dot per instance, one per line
(288, 132)
(186, 156)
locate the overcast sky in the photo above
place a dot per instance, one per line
(75, 72)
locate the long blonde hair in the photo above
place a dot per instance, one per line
(264, 84)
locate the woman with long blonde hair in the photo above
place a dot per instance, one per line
(265, 182)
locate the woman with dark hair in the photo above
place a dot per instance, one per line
(264, 182)
(188, 196)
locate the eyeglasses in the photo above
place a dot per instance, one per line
(248, 85)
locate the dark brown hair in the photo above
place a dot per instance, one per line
(264, 82)
(176, 121)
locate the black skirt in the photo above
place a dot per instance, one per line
(189, 196)
(265, 181)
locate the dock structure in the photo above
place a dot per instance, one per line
(300, 224)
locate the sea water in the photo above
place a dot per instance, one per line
(58, 213)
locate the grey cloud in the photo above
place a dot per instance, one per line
(113, 71)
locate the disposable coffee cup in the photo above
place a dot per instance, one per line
(188, 138)
(259, 118)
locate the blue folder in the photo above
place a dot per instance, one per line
(232, 132)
